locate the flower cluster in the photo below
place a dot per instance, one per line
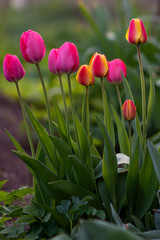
(65, 59)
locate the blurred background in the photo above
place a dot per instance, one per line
(93, 26)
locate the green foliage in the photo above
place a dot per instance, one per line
(74, 179)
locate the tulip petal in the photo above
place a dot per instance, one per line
(143, 33)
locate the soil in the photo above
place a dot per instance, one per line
(11, 167)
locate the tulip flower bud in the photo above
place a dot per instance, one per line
(129, 110)
(115, 67)
(12, 68)
(98, 65)
(85, 76)
(32, 47)
(52, 61)
(136, 32)
(68, 58)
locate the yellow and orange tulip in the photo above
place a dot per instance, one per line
(129, 110)
(99, 65)
(84, 76)
(136, 32)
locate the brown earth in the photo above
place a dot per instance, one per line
(11, 167)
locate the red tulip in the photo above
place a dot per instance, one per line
(12, 68)
(129, 110)
(85, 76)
(32, 47)
(98, 65)
(115, 67)
(68, 58)
(136, 32)
(52, 61)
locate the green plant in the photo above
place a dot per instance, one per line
(73, 180)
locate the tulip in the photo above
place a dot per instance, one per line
(98, 65)
(32, 47)
(68, 58)
(12, 68)
(115, 67)
(136, 32)
(52, 61)
(85, 76)
(129, 110)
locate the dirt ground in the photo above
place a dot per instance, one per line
(11, 167)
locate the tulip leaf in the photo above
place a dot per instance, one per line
(81, 173)
(129, 95)
(122, 134)
(116, 217)
(74, 166)
(121, 189)
(103, 230)
(40, 171)
(104, 196)
(61, 122)
(14, 141)
(43, 137)
(127, 88)
(109, 164)
(132, 179)
(108, 120)
(69, 189)
(151, 101)
(155, 156)
(146, 187)
(83, 142)
(62, 236)
(63, 150)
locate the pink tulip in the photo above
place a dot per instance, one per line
(32, 47)
(52, 61)
(12, 68)
(68, 58)
(129, 110)
(98, 65)
(116, 66)
(85, 76)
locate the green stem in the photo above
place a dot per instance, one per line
(130, 139)
(120, 102)
(142, 91)
(25, 121)
(104, 103)
(46, 99)
(65, 108)
(70, 91)
(87, 111)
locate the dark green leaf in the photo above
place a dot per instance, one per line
(61, 237)
(122, 134)
(109, 165)
(97, 229)
(81, 173)
(69, 189)
(151, 101)
(147, 187)
(14, 141)
(155, 156)
(34, 210)
(61, 122)
(121, 189)
(132, 179)
(43, 137)
(84, 146)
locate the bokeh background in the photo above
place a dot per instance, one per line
(93, 26)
